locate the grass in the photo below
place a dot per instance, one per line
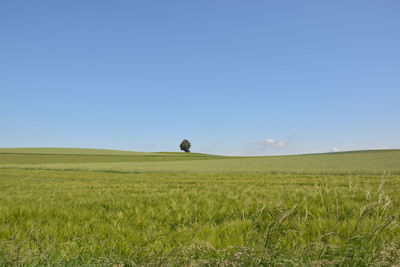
(37, 159)
(90, 151)
(356, 162)
(63, 150)
(310, 210)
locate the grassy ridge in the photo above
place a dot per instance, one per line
(76, 155)
(370, 161)
(89, 151)
(23, 158)
(64, 150)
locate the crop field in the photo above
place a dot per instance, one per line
(77, 207)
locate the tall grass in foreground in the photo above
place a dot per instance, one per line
(94, 218)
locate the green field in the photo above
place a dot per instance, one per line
(83, 207)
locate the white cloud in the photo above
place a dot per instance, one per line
(335, 149)
(281, 144)
(273, 143)
(261, 147)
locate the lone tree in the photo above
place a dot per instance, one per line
(185, 145)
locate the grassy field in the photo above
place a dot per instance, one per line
(24, 159)
(78, 208)
(348, 162)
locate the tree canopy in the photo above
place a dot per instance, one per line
(185, 145)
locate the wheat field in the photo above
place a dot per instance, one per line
(174, 209)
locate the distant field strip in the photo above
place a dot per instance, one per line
(23, 158)
(375, 161)
(89, 151)
(54, 150)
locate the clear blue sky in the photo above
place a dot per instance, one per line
(234, 77)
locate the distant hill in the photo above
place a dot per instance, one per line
(89, 151)
(64, 150)
(127, 161)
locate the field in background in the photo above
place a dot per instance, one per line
(89, 151)
(99, 207)
(358, 161)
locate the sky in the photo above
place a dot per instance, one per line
(233, 77)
